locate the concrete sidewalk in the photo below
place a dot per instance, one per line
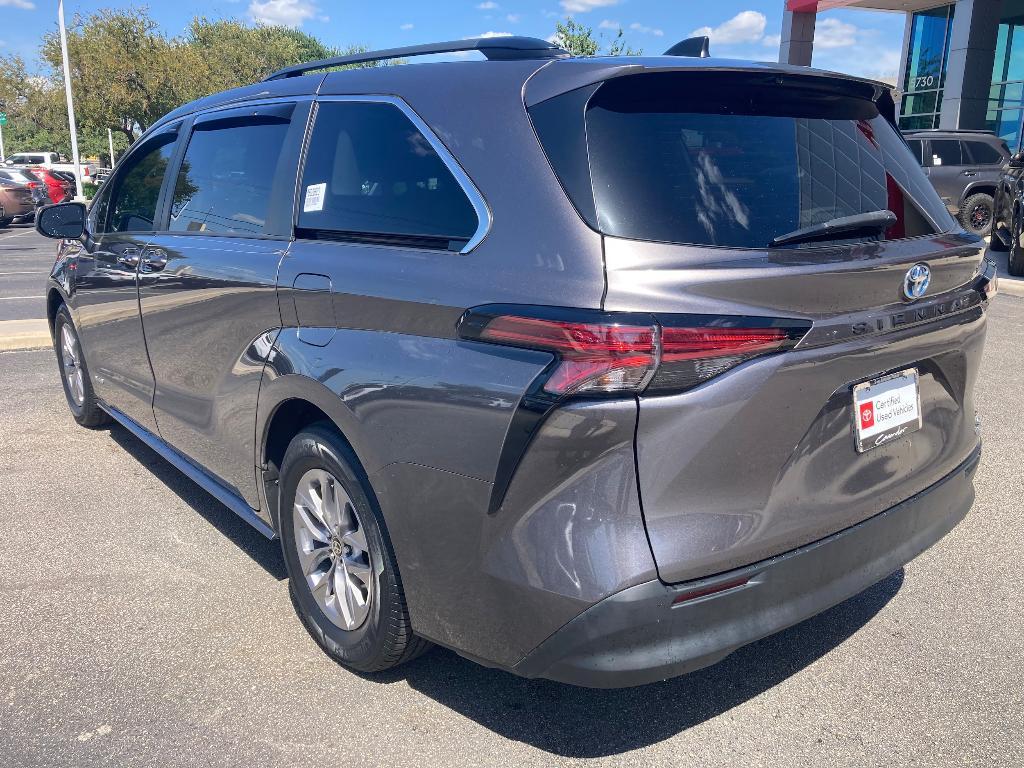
(24, 334)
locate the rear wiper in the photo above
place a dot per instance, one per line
(873, 221)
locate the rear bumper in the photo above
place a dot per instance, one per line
(638, 636)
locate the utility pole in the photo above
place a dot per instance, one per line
(110, 143)
(71, 104)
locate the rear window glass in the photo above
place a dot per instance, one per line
(982, 153)
(917, 147)
(721, 161)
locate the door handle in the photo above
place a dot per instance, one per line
(153, 260)
(129, 257)
(970, 173)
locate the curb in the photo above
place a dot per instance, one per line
(17, 335)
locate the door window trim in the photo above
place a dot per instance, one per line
(480, 207)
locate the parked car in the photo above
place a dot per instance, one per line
(1008, 219)
(964, 167)
(589, 369)
(58, 187)
(25, 178)
(16, 203)
(51, 161)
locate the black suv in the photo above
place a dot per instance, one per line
(964, 167)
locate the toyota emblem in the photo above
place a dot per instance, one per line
(916, 281)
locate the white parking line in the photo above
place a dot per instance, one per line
(19, 234)
(17, 298)
(5, 274)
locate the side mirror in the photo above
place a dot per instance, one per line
(1017, 160)
(64, 221)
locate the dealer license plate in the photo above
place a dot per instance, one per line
(886, 409)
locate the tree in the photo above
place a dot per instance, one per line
(579, 40)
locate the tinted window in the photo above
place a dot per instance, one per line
(723, 161)
(371, 175)
(917, 147)
(136, 188)
(946, 152)
(226, 175)
(983, 154)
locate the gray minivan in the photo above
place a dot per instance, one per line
(592, 369)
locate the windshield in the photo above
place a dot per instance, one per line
(713, 159)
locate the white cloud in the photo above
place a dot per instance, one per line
(607, 24)
(744, 27)
(585, 6)
(406, 27)
(487, 5)
(513, 18)
(288, 13)
(772, 41)
(638, 27)
(494, 34)
(25, 5)
(833, 33)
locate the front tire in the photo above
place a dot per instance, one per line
(1015, 260)
(976, 214)
(74, 373)
(343, 576)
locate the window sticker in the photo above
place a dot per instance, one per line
(314, 198)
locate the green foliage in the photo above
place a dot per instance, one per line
(579, 40)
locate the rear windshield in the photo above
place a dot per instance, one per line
(716, 160)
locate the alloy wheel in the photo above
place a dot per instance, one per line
(332, 549)
(980, 216)
(71, 360)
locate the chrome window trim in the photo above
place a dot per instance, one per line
(483, 212)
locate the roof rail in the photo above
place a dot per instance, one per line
(507, 48)
(697, 47)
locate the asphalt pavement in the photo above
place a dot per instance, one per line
(143, 624)
(25, 261)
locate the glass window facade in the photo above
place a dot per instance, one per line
(926, 68)
(1006, 96)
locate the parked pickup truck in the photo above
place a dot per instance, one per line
(51, 161)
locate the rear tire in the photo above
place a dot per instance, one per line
(74, 373)
(5, 223)
(343, 576)
(976, 214)
(1015, 261)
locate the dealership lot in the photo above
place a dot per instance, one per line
(143, 624)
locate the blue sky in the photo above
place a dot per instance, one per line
(858, 42)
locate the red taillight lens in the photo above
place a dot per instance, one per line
(629, 352)
(693, 355)
(594, 357)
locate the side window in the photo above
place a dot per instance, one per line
(227, 174)
(981, 153)
(917, 147)
(130, 204)
(946, 152)
(372, 176)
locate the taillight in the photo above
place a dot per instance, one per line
(615, 353)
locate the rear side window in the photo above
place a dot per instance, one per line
(226, 177)
(946, 152)
(917, 147)
(372, 176)
(981, 153)
(728, 162)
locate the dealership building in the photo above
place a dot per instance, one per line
(962, 63)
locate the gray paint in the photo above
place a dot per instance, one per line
(238, 327)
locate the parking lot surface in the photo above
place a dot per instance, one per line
(25, 261)
(143, 624)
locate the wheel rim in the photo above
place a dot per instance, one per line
(980, 216)
(72, 362)
(331, 544)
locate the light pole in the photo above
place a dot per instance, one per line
(71, 104)
(110, 143)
